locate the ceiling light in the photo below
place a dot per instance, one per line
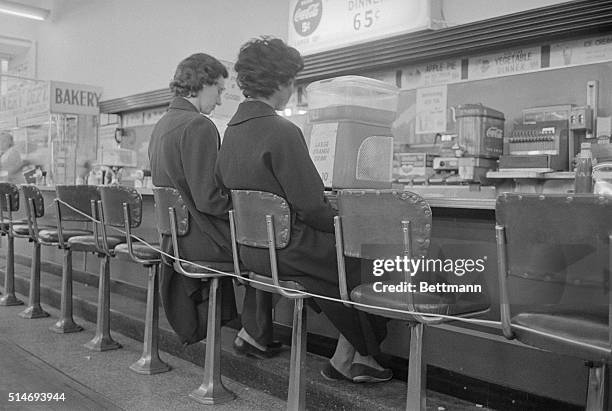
(22, 10)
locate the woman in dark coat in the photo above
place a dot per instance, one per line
(182, 152)
(266, 152)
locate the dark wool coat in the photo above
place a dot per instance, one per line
(182, 151)
(264, 151)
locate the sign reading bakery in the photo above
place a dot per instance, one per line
(74, 98)
(320, 25)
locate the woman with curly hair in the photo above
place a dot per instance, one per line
(264, 151)
(182, 151)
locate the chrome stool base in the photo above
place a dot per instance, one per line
(218, 395)
(101, 343)
(150, 366)
(212, 390)
(65, 327)
(34, 311)
(10, 300)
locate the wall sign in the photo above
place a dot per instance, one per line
(431, 109)
(323, 150)
(431, 74)
(585, 51)
(74, 98)
(318, 25)
(510, 62)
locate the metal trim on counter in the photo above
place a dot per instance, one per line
(459, 196)
(142, 190)
(526, 173)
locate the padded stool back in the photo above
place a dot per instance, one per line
(555, 276)
(172, 220)
(80, 198)
(372, 223)
(121, 207)
(9, 198)
(35, 207)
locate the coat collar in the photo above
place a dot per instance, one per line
(251, 109)
(179, 103)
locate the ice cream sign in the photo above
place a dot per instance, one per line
(319, 25)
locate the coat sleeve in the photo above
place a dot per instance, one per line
(300, 180)
(199, 147)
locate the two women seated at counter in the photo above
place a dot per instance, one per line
(261, 151)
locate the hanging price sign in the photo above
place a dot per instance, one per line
(319, 25)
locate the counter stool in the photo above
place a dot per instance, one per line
(555, 278)
(9, 202)
(173, 220)
(263, 220)
(122, 207)
(78, 197)
(385, 224)
(35, 209)
(102, 247)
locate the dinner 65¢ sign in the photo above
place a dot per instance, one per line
(319, 25)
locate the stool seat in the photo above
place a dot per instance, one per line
(4, 222)
(24, 229)
(268, 284)
(429, 303)
(140, 250)
(52, 236)
(226, 266)
(588, 328)
(88, 242)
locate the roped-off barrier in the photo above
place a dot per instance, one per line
(497, 324)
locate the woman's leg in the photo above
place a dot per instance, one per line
(343, 357)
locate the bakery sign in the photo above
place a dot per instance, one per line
(319, 25)
(74, 98)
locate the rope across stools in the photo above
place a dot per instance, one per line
(9, 202)
(102, 341)
(122, 207)
(263, 220)
(173, 220)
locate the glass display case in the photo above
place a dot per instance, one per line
(56, 145)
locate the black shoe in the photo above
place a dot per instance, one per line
(331, 374)
(274, 345)
(242, 347)
(363, 373)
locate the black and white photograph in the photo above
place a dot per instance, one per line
(259, 205)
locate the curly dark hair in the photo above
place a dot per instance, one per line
(264, 64)
(195, 71)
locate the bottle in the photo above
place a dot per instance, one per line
(584, 169)
(38, 175)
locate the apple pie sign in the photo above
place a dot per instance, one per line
(307, 16)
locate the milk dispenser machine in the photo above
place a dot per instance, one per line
(349, 131)
(474, 148)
